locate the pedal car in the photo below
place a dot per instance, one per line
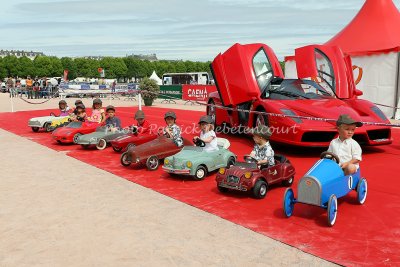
(151, 152)
(71, 132)
(43, 122)
(194, 161)
(100, 137)
(323, 184)
(62, 121)
(247, 176)
(127, 141)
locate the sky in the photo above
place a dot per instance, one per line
(172, 29)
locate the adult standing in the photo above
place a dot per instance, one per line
(29, 88)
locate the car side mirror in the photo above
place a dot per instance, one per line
(358, 92)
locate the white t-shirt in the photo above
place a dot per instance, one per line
(346, 150)
(213, 145)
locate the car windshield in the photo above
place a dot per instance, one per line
(75, 124)
(193, 148)
(101, 129)
(297, 89)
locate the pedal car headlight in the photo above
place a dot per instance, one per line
(222, 170)
(248, 175)
(166, 161)
(189, 164)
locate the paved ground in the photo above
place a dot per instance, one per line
(58, 211)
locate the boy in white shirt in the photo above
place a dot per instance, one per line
(207, 134)
(344, 146)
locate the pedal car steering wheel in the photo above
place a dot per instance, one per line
(250, 159)
(134, 129)
(330, 155)
(198, 142)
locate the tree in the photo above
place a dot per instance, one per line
(11, 65)
(25, 67)
(3, 71)
(42, 65)
(68, 64)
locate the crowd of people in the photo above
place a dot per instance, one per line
(32, 88)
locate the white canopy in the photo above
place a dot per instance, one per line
(155, 77)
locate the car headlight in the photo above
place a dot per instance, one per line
(166, 161)
(68, 133)
(291, 113)
(189, 164)
(379, 113)
(248, 175)
(222, 170)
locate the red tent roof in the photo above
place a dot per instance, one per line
(376, 28)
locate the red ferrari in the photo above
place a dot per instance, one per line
(252, 91)
(70, 133)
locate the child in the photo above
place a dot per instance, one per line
(345, 147)
(262, 150)
(63, 107)
(98, 114)
(142, 125)
(80, 113)
(172, 130)
(207, 134)
(112, 121)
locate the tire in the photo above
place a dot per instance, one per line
(124, 160)
(288, 182)
(231, 161)
(362, 191)
(101, 144)
(76, 136)
(288, 202)
(85, 146)
(200, 173)
(35, 129)
(47, 127)
(261, 119)
(119, 149)
(222, 189)
(332, 210)
(152, 163)
(260, 189)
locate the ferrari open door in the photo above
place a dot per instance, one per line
(243, 72)
(328, 66)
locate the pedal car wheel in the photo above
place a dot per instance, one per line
(47, 127)
(222, 189)
(288, 202)
(231, 161)
(200, 173)
(101, 144)
(124, 159)
(35, 129)
(362, 190)
(152, 163)
(288, 182)
(260, 189)
(117, 149)
(76, 136)
(332, 210)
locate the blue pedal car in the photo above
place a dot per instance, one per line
(323, 184)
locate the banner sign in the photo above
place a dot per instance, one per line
(197, 92)
(170, 92)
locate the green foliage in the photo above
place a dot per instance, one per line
(149, 88)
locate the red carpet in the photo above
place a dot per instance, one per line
(362, 235)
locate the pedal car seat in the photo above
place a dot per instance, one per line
(223, 143)
(280, 158)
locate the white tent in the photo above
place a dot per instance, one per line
(372, 39)
(155, 77)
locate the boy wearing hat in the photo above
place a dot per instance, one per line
(262, 150)
(142, 125)
(344, 146)
(207, 134)
(172, 130)
(112, 121)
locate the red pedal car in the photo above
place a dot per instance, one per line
(70, 132)
(125, 142)
(249, 78)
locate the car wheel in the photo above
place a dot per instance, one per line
(101, 144)
(76, 137)
(47, 127)
(152, 163)
(222, 189)
(35, 129)
(85, 146)
(231, 161)
(362, 190)
(288, 202)
(332, 210)
(260, 189)
(288, 182)
(117, 149)
(125, 159)
(261, 119)
(130, 146)
(211, 111)
(200, 173)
